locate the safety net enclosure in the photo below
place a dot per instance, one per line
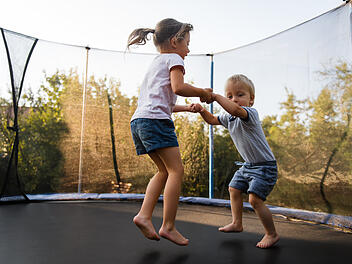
(65, 111)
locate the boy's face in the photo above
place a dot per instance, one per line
(239, 93)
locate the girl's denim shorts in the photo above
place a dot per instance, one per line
(257, 178)
(151, 134)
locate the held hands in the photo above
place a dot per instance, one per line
(207, 96)
(195, 108)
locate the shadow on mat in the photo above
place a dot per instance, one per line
(154, 257)
(236, 250)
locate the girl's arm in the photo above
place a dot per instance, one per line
(207, 116)
(182, 108)
(179, 87)
(232, 108)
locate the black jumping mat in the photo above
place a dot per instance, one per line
(103, 232)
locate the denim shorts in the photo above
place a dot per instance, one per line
(258, 178)
(151, 134)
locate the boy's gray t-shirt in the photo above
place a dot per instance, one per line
(248, 136)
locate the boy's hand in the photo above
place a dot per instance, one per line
(196, 108)
(191, 108)
(207, 96)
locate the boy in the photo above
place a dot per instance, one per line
(258, 174)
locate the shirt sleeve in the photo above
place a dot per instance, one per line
(224, 119)
(176, 60)
(253, 117)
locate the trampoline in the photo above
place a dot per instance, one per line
(103, 232)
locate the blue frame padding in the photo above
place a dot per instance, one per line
(317, 217)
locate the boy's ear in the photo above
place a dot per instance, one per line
(251, 100)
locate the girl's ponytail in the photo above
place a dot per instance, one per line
(163, 32)
(139, 36)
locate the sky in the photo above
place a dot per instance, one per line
(218, 24)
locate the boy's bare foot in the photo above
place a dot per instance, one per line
(231, 228)
(174, 236)
(268, 241)
(146, 226)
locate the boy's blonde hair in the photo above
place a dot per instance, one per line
(244, 80)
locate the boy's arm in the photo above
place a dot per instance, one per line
(232, 108)
(206, 115)
(179, 87)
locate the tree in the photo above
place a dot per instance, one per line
(42, 129)
(5, 135)
(287, 135)
(194, 153)
(331, 121)
(312, 142)
(103, 102)
(225, 155)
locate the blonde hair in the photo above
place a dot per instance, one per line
(163, 32)
(245, 81)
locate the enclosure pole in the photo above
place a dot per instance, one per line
(211, 139)
(82, 124)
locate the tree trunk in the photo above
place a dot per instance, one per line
(333, 153)
(117, 174)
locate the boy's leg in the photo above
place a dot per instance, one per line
(236, 211)
(171, 157)
(265, 216)
(152, 193)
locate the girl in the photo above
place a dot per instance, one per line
(152, 128)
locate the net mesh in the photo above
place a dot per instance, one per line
(77, 102)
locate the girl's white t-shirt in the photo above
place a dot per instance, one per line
(156, 99)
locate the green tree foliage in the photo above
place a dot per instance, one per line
(225, 155)
(41, 129)
(5, 135)
(98, 173)
(194, 153)
(50, 122)
(313, 145)
(287, 135)
(192, 133)
(332, 117)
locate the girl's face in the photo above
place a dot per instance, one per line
(239, 93)
(181, 46)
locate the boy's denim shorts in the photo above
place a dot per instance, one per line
(151, 134)
(258, 178)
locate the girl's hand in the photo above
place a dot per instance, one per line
(207, 96)
(213, 97)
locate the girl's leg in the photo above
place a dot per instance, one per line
(152, 193)
(172, 160)
(236, 211)
(265, 216)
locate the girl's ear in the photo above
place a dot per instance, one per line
(173, 42)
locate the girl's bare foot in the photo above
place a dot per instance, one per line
(231, 228)
(174, 236)
(146, 226)
(268, 241)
